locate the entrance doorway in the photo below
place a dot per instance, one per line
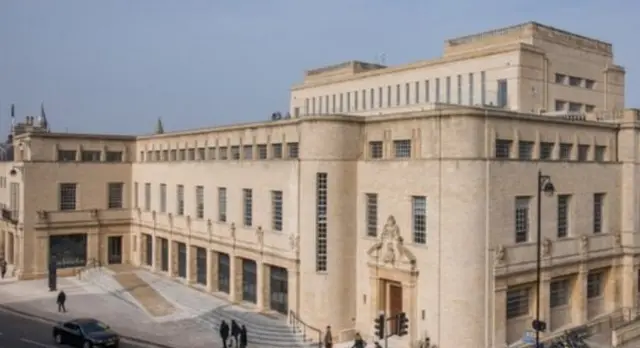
(224, 270)
(395, 303)
(201, 266)
(182, 260)
(249, 280)
(164, 254)
(114, 249)
(148, 240)
(279, 289)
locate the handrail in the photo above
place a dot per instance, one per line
(298, 324)
(91, 263)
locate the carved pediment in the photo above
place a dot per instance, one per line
(390, 248)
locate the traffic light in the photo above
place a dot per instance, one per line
(379, 326)
(403, 324)
(539, 325)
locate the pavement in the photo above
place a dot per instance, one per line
(18, 331)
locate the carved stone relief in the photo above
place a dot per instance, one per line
(260, 235)
(232, 230)
(546, 247)
(584, 244)
(500, 255)
(390, 247)
(617, 240)
(294, 242)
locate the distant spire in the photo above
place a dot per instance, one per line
(43, 118)
(159, 127)
(13, 116)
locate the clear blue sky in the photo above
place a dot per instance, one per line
(115, 66)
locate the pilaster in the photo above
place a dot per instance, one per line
(157, 254)
(579, 303)
(263, 283)
(173, 258)
(212, 271)
(500, 314)
(192, 268)
(93, 244)
(235, 283)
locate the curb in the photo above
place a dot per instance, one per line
(48, 320)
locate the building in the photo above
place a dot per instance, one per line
(374, 195)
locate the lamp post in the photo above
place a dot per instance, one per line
(544, 185)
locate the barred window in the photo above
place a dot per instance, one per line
(163, 198)
(583, 153)
(179, 200)
(247, 207)
(595, 283)
(200, 202)
(563, 215)
(598, 212)
(419, 219)
(262, 151)
(276, 150)
(222, 204)
(212, 153)
(191, 154)
(235, 152)
(402, 148)
(503, 148)
(147, 196)
(375, 149)
(182, 155)
(565, 151)
(321, 221)
(517, 302)
(546, 150)
(173, 155)
(525, 150)
(276, 210)
(90, 156)
(165, 155)
(223, 153)
(68, 192)
(600, 153)
(522, 219)
(202, 154)
(114, 156)
(292, 149)
(115, 195)
(371, 211)
(559, 292)
(66, 155)
(247, 152)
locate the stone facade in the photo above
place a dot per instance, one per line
(408, 208)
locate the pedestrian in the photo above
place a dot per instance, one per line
(358, 342)
(224, 333)
(62, 298)
(328, 338)
(3, 267)
(235, 332)
(243, 337)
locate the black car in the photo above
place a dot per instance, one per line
(85, 333)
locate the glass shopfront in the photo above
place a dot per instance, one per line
(249, 280)
(69, 250)
(164, 256)
(201, 266)
(224, 269)
(182, 260)
(148, 257)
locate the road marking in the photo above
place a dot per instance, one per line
(26, 340)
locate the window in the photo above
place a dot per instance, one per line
(402, 148)
(561, 105)
(199, 202)
(313, 106)
(589, 83)
(419, 219)
(379, 97)
(147, 197)
(115, 195)
(426, 91)
(66, 155)
(173, 155)
(276, 150)
(355, 101)
(90, 156)
(447, 90)
(262, 151)
(180, 200)
(522, 219)
(202, 154)
(182, 155)
(470, 88)
(149, 156)
(348, 101)
(156, 155)
(223, 153)
(575, 81)
(517, 302)
(333, 103)
(163, 198)
(589, 108)
(416, 92)
(600, 153)
(14, 200)
(276, 210)
(222, 204)
(407, 94)
(140, 158)
(114, 156)
(563, 215)
(235, 152)
(375, 149)
(68, 192)
(503, 94)
(388, 96)
(546, 150)
(459, 89)
(583, 153)
(525, 150)
(483, 88)
(247, 207)
(559, 292)
(598, 212)
(212, 153)
(341, 101)
(165, 155)
(561, 78)
(575, 107)
(397, 95)
(247, 152)
(371, 214)
(292, 150)
(321, 221)
(565, 151)
(372, 100)
(136, 193)
(595, 284)
(437, 91)
(503, 148)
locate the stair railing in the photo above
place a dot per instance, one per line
(297, 324)
(91, 263)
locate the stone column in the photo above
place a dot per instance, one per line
(212, 271)
(93, 242)
(579, 304)
(263, 283)
(173, 258)
(500, 314)
(235, 283)
(157, 253)
(192, 267)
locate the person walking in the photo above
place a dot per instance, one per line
(235, 333)
(3, 268)
(224, 333)
(358, 342)
(243, 337)
(62, 298)
(328, 338)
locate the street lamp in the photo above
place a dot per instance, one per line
(544, 186)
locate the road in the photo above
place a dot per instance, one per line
(20, 332)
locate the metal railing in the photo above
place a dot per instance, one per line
(91, 263)
(307, 331)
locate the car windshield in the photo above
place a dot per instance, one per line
(93, 327)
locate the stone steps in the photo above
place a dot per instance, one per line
(205, 309)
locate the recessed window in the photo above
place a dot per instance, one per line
(563, 215)
(525, 150)
(561, 105)
(575, 107)
(559, 293)
(583, 153)
(575, 81)
(371, 211)
(522, 219)
(276, 151)
(546, 150)
(419, 217)
(590, 84)
(262, 151)
(235, 152)
(375, 149)
(517, 302)
(598, 212)
(600, 153)
(503, 148)
(589, 108)
(69, 155)
(561, 78)
(565, 151)
(247, 152)
(68, 193)
(292, 150)
(90, 156)
(595, 282)
(402, 148)
(115, 192)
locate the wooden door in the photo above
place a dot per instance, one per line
(395, 306)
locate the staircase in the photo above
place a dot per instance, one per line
(262, 331)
